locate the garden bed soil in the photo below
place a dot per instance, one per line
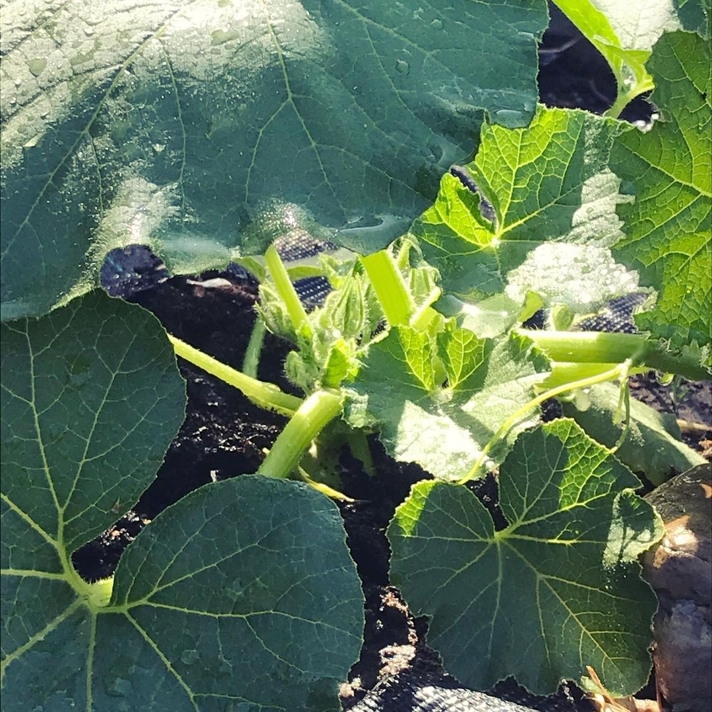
(225, 435)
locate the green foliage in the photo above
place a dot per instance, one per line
(197, 128)
(438, 399)
(91, 399)
(555, 590)
(669, 238)
(624, 33)
(205, 132)
(241, 581)
(653, 442)
(548, 182)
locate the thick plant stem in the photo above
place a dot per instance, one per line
(315, 413)
(390, 287)
(266, 395)
(605, 347)
(286, 290)
(563, 372)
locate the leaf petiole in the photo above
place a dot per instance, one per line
(264, 394)
(619, 371)
(286, 290)
(390, 287)
(608, 347)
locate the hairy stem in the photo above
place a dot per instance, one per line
(625, 96)
(266, 395)
(390, 287)
(605, 347)
(251, 361)
(314, 414)
(285, 288)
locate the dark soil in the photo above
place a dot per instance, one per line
(225, 435)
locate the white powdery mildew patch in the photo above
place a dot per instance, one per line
(582, 277)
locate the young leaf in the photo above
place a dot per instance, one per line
(669, 238)
(187, 127)
(557, 590)
(547, 183)
(240, 584)
(439, 402)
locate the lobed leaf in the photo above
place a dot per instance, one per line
(438, 402)
(558, 589)
(669, 234)
(206, 130)
(653, 444)
(549, 182)
(240, 584)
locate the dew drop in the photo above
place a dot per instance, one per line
(117, 686)
(56, 431)
(77, 380)
(189, 656)
(510, 118)
(36, 66)
(402, 67)
(435, 153)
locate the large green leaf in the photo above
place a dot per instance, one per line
(91, 399)
(669, 235)
(557, 590)
(438, 402)
(242, 594)
(191, 126)
(547, 183)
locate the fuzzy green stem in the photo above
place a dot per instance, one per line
(266, 395)
(619, 371)
(606, 347)
(390, 287)
(625, 97)
(251, 361)
(314, 414)
(564, 372)
(286, 290)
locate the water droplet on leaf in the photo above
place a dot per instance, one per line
(510, 118)
(117, 686)
(402, 67)
(36, 66)
(189, 656)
